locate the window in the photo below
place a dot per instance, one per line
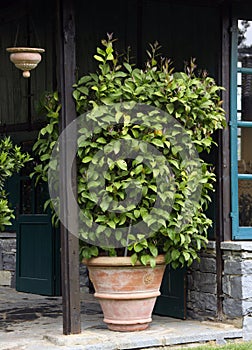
(241, 129)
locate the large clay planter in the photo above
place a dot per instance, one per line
(126, 293)
(25, 58)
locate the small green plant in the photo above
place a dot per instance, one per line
(119, 86)
(11, 161)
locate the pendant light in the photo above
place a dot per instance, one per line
(24, 57)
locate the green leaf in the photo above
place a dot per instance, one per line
(111, 224)
(122, 164)
(137, 213)
(143, 212)
(145, 259)
(98, 58)
(133, 259)
(100, 51)
(153, 250)
(86, 159)
(175, 254)
(110, 57)
(170, 108)
(94, 251)
(138, 247)
(118, 235)
(153, 188)
(186, 256)
(157, 142)
(101, 140)
(127, 66)
(152, 262)
(117, 146)
(104, 205)
(138, 169)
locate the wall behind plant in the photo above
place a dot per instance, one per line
(183, 31)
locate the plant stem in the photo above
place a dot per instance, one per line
(127, 242)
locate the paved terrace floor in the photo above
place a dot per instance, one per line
(34, 322)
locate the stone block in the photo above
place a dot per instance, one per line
(246, 286)
(247, 328)
(246, 255)
(247, 307)
(208, 265)
(9, 261)
(189, 282)
(196, 277)
(5, 278)
(237, 246)
(232, 308)
(232, 286)
(200, 303)
(236, 289)
(9, 258)
(247, 267)
(226, 288)
(194, 296)
(211, 245)
(207, 283)
(8, 245)
(9, 267)
(210, 302)
(233, 267)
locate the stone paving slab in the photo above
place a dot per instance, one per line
(163, 331)
(32, 322)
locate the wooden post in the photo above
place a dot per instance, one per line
(66, 64)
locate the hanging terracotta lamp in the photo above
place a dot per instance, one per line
(25, 58)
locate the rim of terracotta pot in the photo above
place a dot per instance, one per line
(24, 49)
(118, 261)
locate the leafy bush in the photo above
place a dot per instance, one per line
(11, 161)
(111, 99)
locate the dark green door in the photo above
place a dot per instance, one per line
(38, 246)
(172, 301)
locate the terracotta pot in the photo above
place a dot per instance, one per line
(25, 58)
(126, 293)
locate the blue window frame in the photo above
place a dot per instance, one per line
(241, 129)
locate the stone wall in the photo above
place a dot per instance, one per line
(7, 259)
(202, 287)
(237, 285)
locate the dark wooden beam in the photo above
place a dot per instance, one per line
(66, 63)
(223, 227)
(225, 134)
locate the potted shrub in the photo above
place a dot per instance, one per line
(142, 187)
(11, 161)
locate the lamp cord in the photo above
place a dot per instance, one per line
(16, 37)
(35, 33)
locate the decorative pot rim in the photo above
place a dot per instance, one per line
(24, 49)
(119, 261)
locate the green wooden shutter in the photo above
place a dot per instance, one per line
(34, 272)
(172, 301)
